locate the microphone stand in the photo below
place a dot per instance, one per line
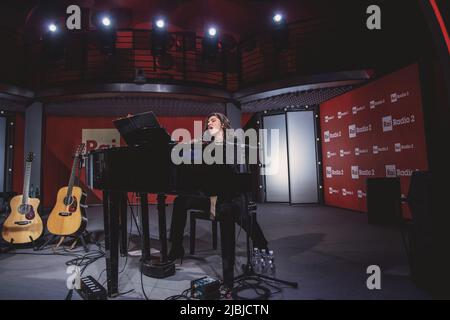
(249, 272)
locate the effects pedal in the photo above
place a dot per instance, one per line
(90, 289)
(205, 288)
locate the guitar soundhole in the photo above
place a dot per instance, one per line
(27, 210)
(68, 200)
(71, 202)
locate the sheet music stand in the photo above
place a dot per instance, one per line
(142, 129)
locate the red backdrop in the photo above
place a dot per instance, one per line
(63, 134)
(246, 116)
(373, 131)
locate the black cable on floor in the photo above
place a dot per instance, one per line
(183, 295)
(80, 260)
(98, 279)
(262, 293)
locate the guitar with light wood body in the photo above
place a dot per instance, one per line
(68, 216)
(23, 225)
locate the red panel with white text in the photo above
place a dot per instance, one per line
(373, 131)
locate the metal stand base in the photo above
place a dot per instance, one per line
(249, 272)
(157, 269)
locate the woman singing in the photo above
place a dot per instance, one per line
(227, 206)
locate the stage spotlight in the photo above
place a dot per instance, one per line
(160, 23)
(212, 32)
(277, 18)
(280, 32)
(160, 38)
(210, 44)
(52, 30)
(106, 21)
(102, 20)
(53, 41)
(106, 34)
(52, 27)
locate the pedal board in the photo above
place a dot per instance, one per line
(90, 289)
(205, 288)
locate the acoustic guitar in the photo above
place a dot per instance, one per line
(68, 216)
(23, 225)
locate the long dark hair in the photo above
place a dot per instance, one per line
(224, 121)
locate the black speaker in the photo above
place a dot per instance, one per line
(383, 201)
(419, 197)
(421, 230)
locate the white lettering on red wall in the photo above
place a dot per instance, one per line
(374, 103)
(381, 134)
(100, 138)
(399, 147)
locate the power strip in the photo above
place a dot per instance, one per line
(90, 289)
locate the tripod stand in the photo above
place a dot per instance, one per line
(249, 272)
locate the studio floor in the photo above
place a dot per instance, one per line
(325, 250)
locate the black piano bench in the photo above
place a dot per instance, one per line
(197, 214)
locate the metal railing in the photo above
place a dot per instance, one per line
(83, 61)
(254, 60)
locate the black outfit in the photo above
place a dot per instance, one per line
(230, 209)
(228, 212)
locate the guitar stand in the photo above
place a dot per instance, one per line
(12, 246)
(35, 247)
(83, 242)
(75, 240)
(46, 242)
(63, 238)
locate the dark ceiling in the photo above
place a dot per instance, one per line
(238, 17)
(341, 38)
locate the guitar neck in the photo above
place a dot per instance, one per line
(26, 183)
(72, 176)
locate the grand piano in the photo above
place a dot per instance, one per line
(147, 169)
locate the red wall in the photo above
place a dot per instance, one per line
(63, 134)
(378, 115)
(246, 116)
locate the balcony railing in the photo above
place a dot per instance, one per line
(309, 49)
